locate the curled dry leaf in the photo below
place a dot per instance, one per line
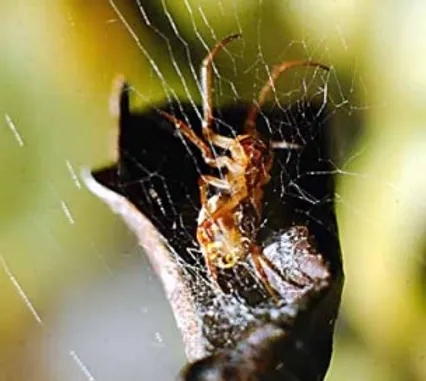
(237, 331)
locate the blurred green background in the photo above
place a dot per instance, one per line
(78, 300)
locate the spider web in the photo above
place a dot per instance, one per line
(173, 52)
(302, 88)
(307, 87)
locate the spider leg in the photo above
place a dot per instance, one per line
(206, 93)
(225, 208)
(209, 158)
(203, 183)
(189, 134)
(203, 191)
(216, 162)
(211, 269)
(250, 125)
(220, 184)
(219, 140)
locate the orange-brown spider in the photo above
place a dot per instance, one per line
(229, 221)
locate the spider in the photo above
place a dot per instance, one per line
(229, 221)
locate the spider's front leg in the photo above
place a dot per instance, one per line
(206, 85)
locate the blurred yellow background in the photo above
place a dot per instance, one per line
(78, 300)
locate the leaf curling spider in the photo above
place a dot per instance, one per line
(229, 221)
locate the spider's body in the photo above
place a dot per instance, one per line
(229, 221)
(227, 237)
